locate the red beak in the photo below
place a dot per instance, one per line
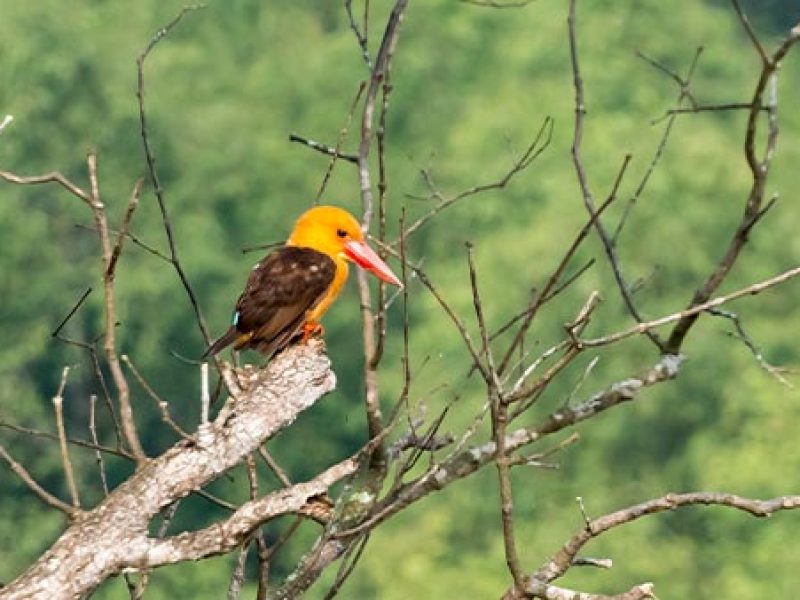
(365, 257)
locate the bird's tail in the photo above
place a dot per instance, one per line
(223, 342)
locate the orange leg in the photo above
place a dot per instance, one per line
(312, 329)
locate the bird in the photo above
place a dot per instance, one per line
(290, 289)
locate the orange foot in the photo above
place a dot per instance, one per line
(312, 329)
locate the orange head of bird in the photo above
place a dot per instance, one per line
(335, 232)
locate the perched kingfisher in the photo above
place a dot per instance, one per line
(290, 289)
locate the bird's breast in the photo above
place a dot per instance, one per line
(339, 279)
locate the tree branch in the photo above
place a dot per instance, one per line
(115, 532)
(380, 71)
(560, 563)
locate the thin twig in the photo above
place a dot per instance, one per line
(531, 393)
(136, 240)
(323, 148)
(361, 37)
(43, 494)
(51, 177)
(759, 168)
(101, 467)
(380, 135)
(684, 83)
(339, 141)
(238, 575)
(258, 536)
(122, 453)
(456, 320)
(66, 462)
(91, 348)
(499, 413)
(703, 108)
(539, 144)
(765, 59)
(694, 310)
(57, 331)
(205, 397)
(151, 165)
(742, 335)
(583, 181)
(546, 292)
(274, 467)
(133, 203)
(496, 4)
(347, 566)
(162, 404)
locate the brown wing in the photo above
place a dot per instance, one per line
(280, 290)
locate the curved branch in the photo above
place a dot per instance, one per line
(557, 565)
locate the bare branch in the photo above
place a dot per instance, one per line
(115, 532)
(499, 412)
(77, 442)
(361, 36)
(151, 165)
(237, 578)
(274, 467)
(547, 291)
(58, 405)
(349, 561)
(43, 494)
(324, 149)
(464, 463)
(496, 4)
(539, 144)
(133, 203)
(109, 344)
(580, 171)
(695, 310)
(52, 177)
(559, 563)
(136, 240)
(205, 397)
(101, 467)
(163, 405)
(684, 83)
(741, 334)
(339, 141)
(57, 331)
(380, 72)
(465, 336)
(765, 59)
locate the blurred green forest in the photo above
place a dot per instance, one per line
(471, 88)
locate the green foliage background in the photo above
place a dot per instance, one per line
(471, 87)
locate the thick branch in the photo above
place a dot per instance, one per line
(109, 535)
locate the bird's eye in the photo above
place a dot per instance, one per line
(341, 233)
